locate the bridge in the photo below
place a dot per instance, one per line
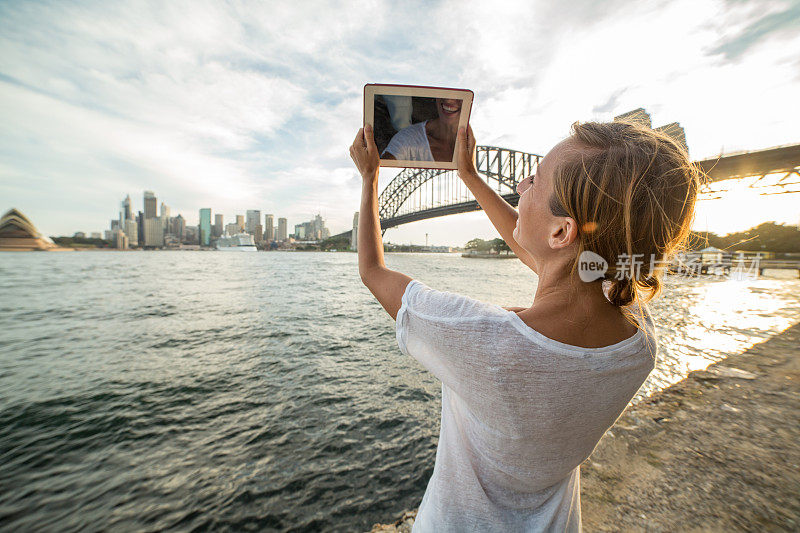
(419, 194)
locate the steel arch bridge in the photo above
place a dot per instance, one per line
(417, 194)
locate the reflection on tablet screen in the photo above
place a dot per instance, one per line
(414, 128)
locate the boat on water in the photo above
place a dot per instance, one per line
(241, 242)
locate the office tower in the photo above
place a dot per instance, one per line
(149, 205)
(281, 230)
(125, 209)
(300, 232)
(153, 233)
(240, 223)
(269, 229)
(140, 227)
(232, 229)
(205, 226)
(219, 227)
(115, 225)
(354, 234)
(164, 210)
(179, 227)
(675, 132)
(131, 231)
(253, 219)
(637, 116)
(258, 237)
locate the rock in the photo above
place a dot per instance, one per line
(729, 372)
(726, 407)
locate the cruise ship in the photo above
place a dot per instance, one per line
(241, 242)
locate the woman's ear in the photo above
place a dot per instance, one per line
(564, 233)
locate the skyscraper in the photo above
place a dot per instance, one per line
(269, 228)
(281, 230)
(164, 210)
(219, 226)
(253, 219)
(240, 222)
(205, 226)
(149, 205)
(125, 209)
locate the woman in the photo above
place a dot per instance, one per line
(528, 393)
(430, 140)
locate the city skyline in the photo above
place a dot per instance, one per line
(249, 106)
(151, 228)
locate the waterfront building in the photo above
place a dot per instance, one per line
(132, 232)
(253, 219)
(676, 133)
(300, 231)
(354, 234)
(232, 229)
(79, 235)
(637, 116)
(219, 227)
(240, 222)
(282, 223)
(17, 233)
(153, 233)
(269, 228)
(149, 205)
(205, 226)
(120, 240)
(258, 236)
(107, 235)
(139, 228)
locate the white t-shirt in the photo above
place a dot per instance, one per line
(411, 144)
(520, 411)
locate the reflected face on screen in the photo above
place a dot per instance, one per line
(449, 110)
(414, 128)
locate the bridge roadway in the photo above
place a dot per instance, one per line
(755, 163)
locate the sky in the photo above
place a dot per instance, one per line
(240, 105)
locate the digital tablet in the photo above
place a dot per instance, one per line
(416, 126)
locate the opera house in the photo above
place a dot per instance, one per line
(17, 233)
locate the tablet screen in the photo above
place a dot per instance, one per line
(416, 126)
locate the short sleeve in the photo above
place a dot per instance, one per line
(450, 335)
(398, 146)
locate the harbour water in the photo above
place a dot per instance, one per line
(208, 391)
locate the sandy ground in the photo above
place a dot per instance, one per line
(718, 451)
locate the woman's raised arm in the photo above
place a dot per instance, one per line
(502, 214)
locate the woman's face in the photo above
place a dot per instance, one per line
(449, 110)
(535, 222)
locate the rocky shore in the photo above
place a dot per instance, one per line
(717, 451)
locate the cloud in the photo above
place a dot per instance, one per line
(781, 19)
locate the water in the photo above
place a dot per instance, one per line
(264, 391)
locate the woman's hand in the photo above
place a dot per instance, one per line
(365, 154)
(465, 152)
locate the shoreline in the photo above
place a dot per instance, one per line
(715, 451)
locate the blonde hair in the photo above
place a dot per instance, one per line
(631, 190)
